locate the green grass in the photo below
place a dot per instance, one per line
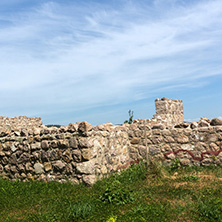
(137, 194)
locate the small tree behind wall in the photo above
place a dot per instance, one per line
(130, 117)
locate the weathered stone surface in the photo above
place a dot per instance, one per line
(134, 154)
(4, 160)
(182, 125)
(13, 159)
(158, 126)
(157, 139)
(185, 162)
(213, 147)
(44, 144)
(36, 131)
(60, 136)
(84, 127)
(206, 161)
(182, 139)
(210, 138)
(36, 146)
(171, 156)
(165, 148)
(103, 170)
(47, 166)
(37, 138)
(203, 123)
(73, 143)
(187, 147)
(217, 128)
(42, 177)
(86, 154)
(68, 169)
(143, 151)
(1, 168)
(21, 168)
(45, 156)
(83, 142)
(73, 127)
(1, 147)
(7, 168)
(153, 150)
(169, 139)
(135, 140)
(24, 158)
(2, 154)
(156, 131)
(24, 132)
(63, 144)
(216, 122)
(86, 167)
(13, 147)
(59, 165)
(67, 156)
(77, 155)
(13, 169)
(99, 128)
(89, 179)
(54, 144)
(38, 167)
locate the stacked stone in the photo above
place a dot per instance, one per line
(199, 145)
(168, 112)
(78, 152)
(19, 122)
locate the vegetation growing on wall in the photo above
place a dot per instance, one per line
(130, 117)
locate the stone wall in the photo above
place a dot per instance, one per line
(169, 111)
(199, 146)
(80, 152)
(77, 152)
(9, 123)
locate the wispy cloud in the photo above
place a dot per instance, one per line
(57, 57)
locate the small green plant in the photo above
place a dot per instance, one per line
(112, 219)
(156, 169)
(214, 157)
(116, 194)
(175, 165)
(130, 117)
(80, 209)
(191, 178)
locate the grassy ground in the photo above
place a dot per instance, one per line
(137, 194)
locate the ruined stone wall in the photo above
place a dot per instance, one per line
(9, 123)
(83, 153)
(197, 146)
(80, 152)
(169, 112)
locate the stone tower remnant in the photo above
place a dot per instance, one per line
(169, 112)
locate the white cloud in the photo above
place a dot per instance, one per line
(65, 57)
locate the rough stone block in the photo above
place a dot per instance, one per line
(38, 167)
(84, 127)
(59, 165)
(47, 166)
(89, 179)
(86, 167)
(135, 140)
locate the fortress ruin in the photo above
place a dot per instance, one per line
(80, 152)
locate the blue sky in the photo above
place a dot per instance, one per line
(93, 60)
